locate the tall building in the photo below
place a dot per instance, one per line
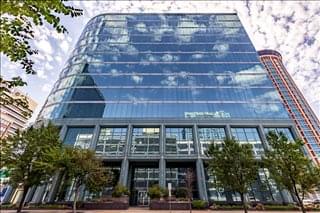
(149, 92)
(14, 117)
(305, 119)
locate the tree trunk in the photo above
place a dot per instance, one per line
(244, 203)
(190, 206)
(24, 194)
(299, 199)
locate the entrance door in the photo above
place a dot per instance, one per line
(143, 198)
(143, 178)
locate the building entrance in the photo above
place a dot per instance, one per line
(143, 198)
(142, 177)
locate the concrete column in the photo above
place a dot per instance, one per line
(196, 141)
(228, 131)
(8, 194)
(95, 137)
(37, 198)
(30, 194)
(124, 172)
(162, 172)
(128, 141)
(63, 132)
(263, 137)
(162, 161)
(286, 196)
(201, 180)
(162, 140)
(56, 181)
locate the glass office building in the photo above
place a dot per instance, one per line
(305, 119)
(150, 92)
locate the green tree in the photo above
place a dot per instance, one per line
(16, 28)
(27, 155)
(84, 169)
(290, 168)
(234, 166)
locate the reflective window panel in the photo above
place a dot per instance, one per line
(208, 135)
(179, 141)
(285, 131)
(145, 140)
(79, 137)
(175, 66)
(250, 136)
(264, 189)
(111, 141)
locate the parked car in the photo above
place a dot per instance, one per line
(307, 202)
(316, 201)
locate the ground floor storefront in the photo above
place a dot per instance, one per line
(142, 210)
(145, 153)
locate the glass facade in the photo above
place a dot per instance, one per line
(250, 136)
(111, 141)
(145, 141)
(209, 135)
(79, 137)
(150, 92)
(263, 189)
(305, 119)
(164, 66)
(143, 179)
(179, 141)
(285, 131)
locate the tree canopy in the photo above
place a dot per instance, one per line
(234, 166)
(27, 156)
(16, 28)
(84, 169)
(289, 167)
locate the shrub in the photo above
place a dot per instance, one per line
(50, 206)
(164, 193)
(199, 204)
(181, 193)
(119, 191)
(259, 206)
(156, 192)
(281, 207)
(229, 207)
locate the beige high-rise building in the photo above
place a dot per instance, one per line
(14, 117)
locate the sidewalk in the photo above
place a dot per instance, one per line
(141, 210)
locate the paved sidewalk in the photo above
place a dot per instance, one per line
(141, 210)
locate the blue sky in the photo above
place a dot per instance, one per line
(291, 27)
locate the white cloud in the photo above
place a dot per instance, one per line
(170, 81)
(141, 27)
(137, 79)
(41, 74)
(58, 59)
(221, 48)
(64, 45)
(46, 87)
(114, 72)
(44, 46)
(273, 27)
(245, 77)
(167, 57)
(197, 56)
(185, 30)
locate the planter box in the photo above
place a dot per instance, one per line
(108, 203)
(164, 205)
